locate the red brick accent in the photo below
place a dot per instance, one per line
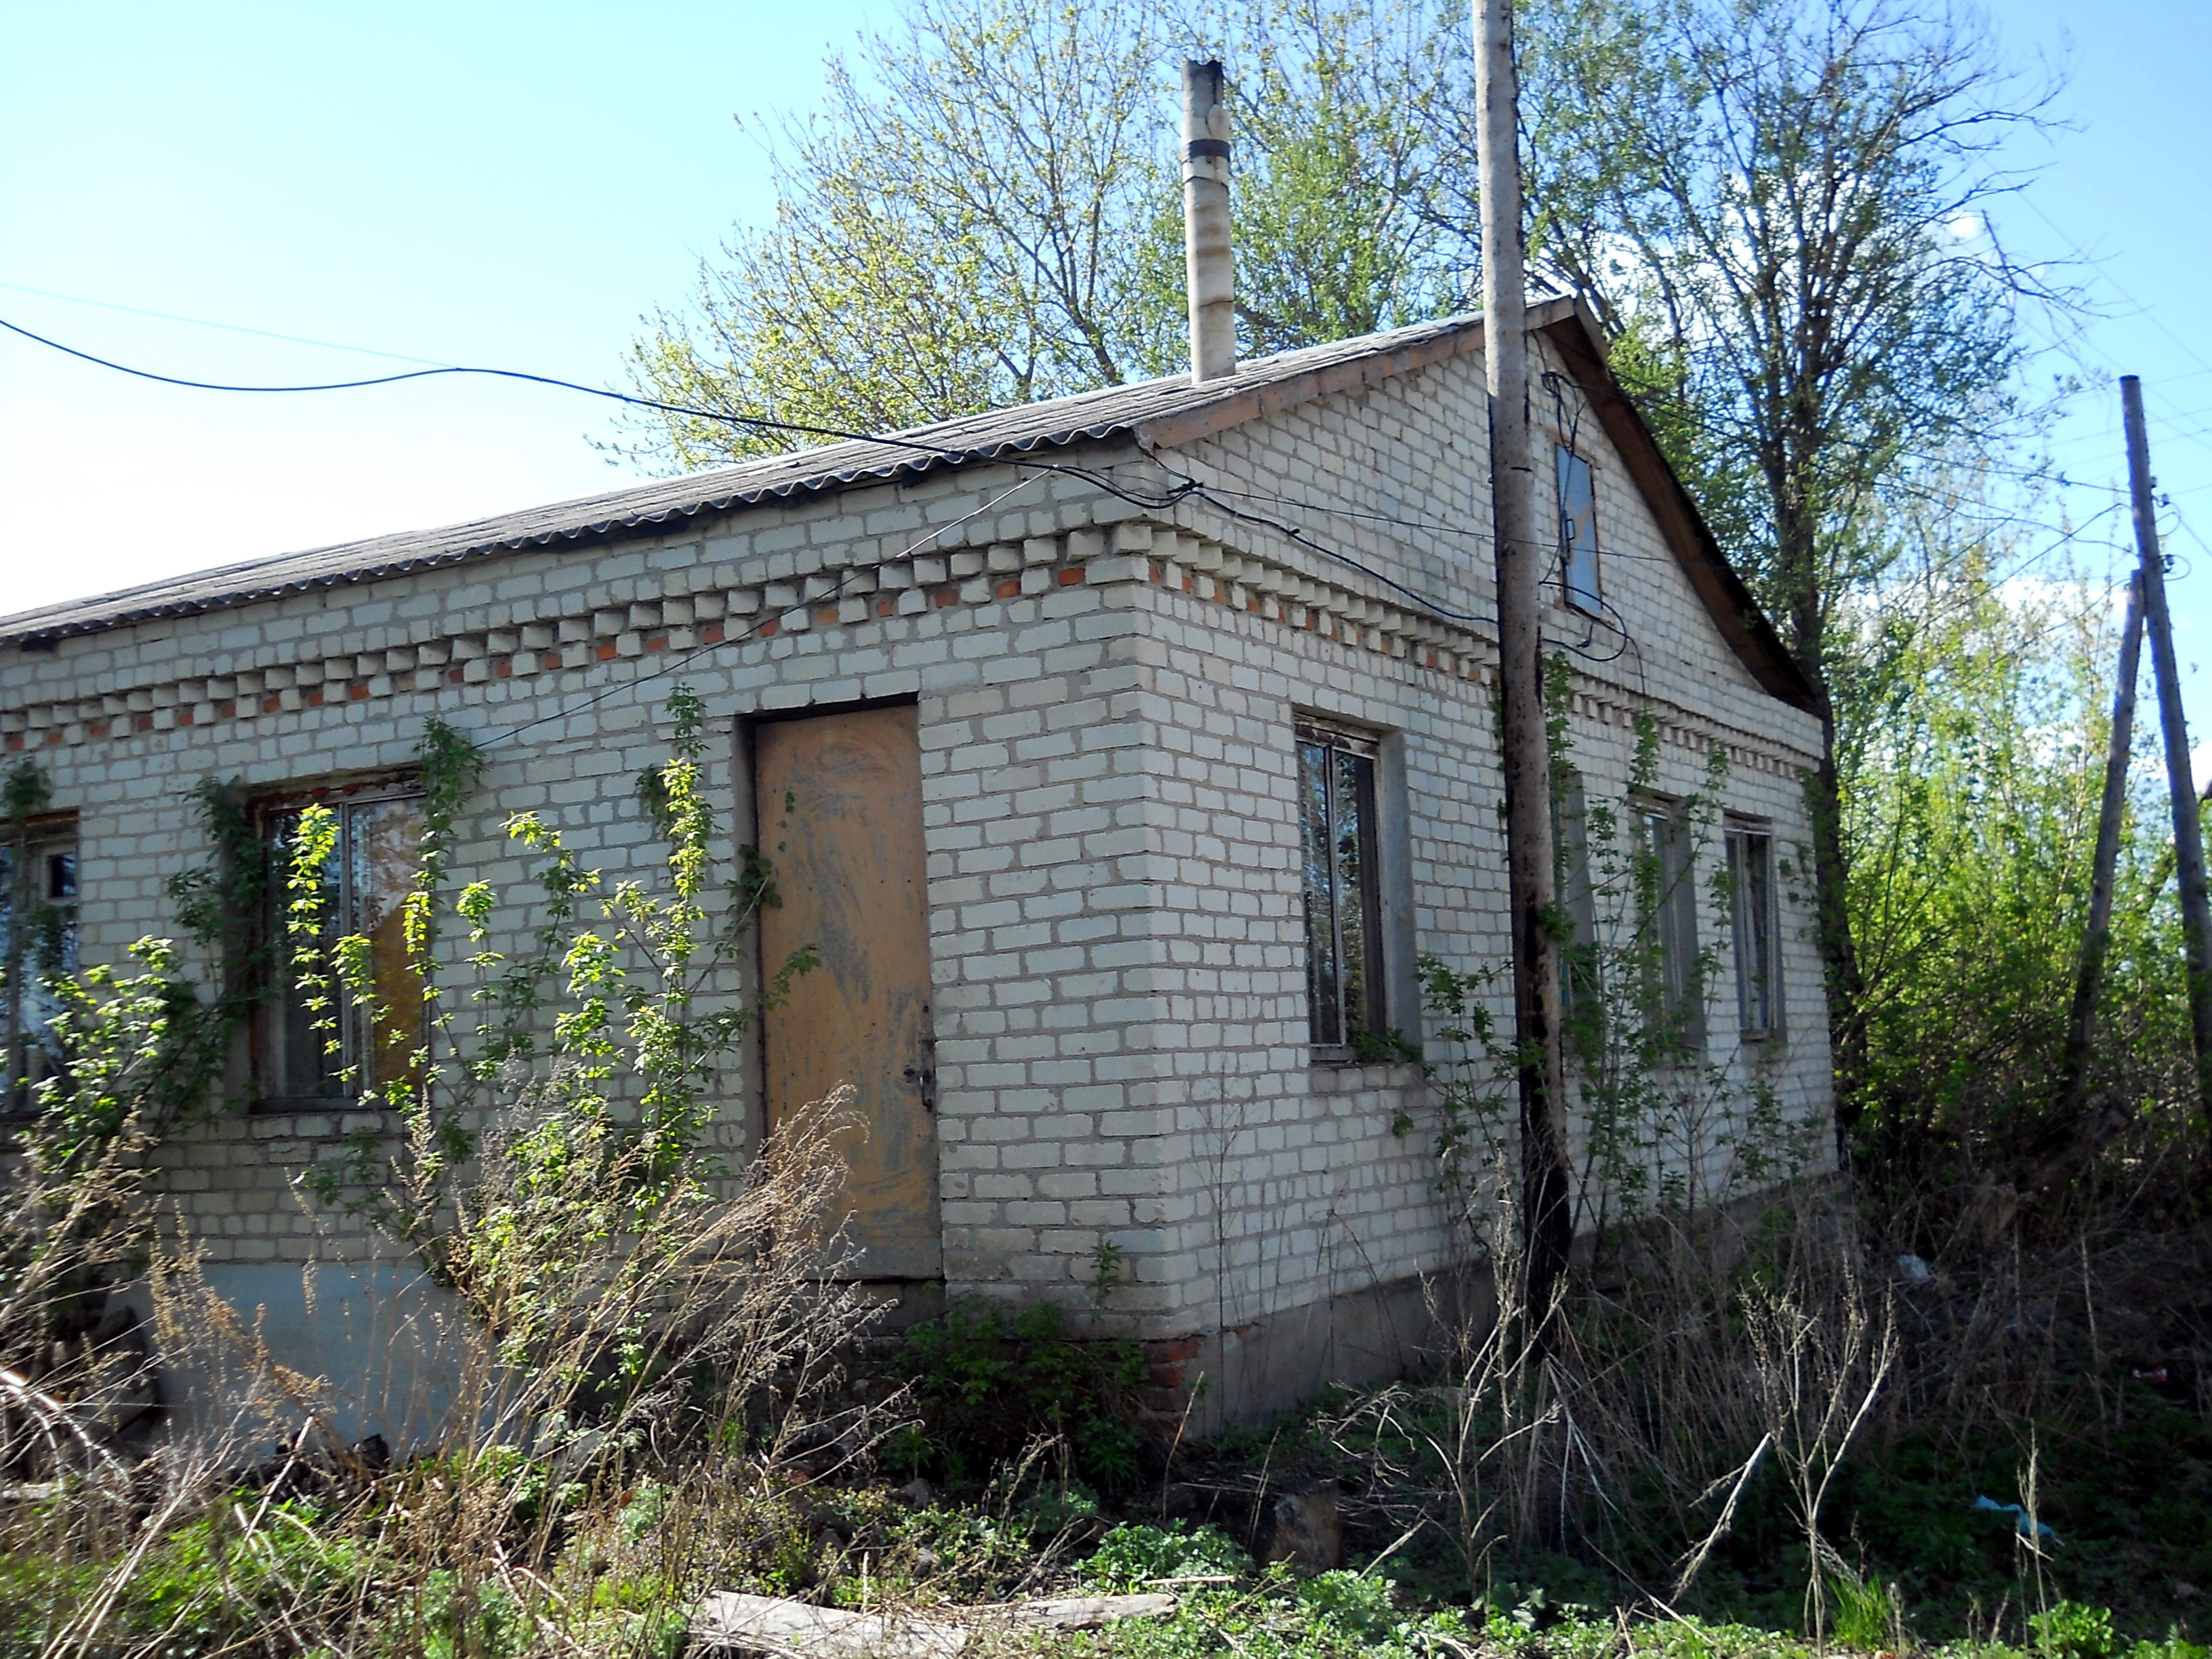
(712, 634)
(767, 629)
(826, 616)
(945, 596)
(607, 651)
(98, 728)
(551, 660)
(14, 739)
(1071, 576)
(358, 690)
(1166, 1363)
(1011, 588)
(656, 642)
(887, 607)
(504, 668)
(268, 705)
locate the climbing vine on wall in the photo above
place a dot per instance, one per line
(1669, 1119)
(600, 1046)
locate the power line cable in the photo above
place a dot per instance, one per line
(1185, 488)
(228, 328)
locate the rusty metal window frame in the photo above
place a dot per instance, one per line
(39, 894)
(1346, 973)
(278, 1024)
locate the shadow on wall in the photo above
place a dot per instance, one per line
(248, 1352)
(1254, 1371)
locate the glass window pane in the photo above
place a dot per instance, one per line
(1751, 857)
(38, 930)
(1577, 529)
(1322, 984)
(1353, 832)
(384, 841)
(1761, 895)
(301, 1068)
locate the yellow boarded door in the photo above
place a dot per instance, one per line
(846, 789)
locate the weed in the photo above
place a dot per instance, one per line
(1129, 1558)
(992, 1386)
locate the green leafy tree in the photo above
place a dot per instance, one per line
(988, 210)
(955, 230)
(1972, 763)
(1779, 208)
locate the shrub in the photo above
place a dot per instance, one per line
(993, 1388)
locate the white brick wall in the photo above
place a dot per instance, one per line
(1105, 700)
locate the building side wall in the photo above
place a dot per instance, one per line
(1299, 1182)
(1011, 630)
(1106, 694)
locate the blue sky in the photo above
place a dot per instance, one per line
(487, 182)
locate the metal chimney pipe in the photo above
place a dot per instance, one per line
(1209, 271)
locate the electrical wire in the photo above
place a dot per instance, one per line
(1184, 486)
(761, 423)
(228, 328)
(1187, 486)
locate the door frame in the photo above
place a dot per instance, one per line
(746, 830)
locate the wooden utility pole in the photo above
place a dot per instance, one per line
(1546, 1187)
(2188, 834)
(2097, 938)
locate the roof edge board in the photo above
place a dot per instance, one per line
(643, 522)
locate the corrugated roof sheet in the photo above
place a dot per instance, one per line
(1109, 412)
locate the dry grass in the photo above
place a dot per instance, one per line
(581, 1366)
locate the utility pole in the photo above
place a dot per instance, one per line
(2097, 938)
(1547, 1217)
(2188, 836)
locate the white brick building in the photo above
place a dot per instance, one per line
(1136, 604)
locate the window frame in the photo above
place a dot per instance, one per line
(1672, 992)
(1336, 1040)
(267, 1035)
(1763, 908)
(1587, 597)
(47, 837)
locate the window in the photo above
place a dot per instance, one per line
(1752, 916)
(1344, 914)
(37, 934)
(371, 870)
(1578, 530)
(1667, 903)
